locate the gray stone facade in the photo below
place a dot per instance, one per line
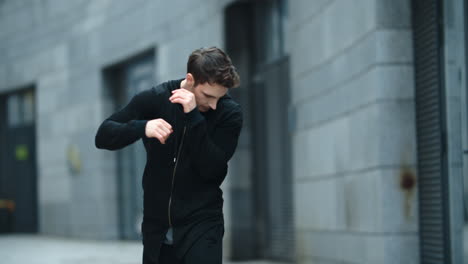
(353, 88)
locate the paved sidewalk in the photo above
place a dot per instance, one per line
(465, 243)
(33, 249)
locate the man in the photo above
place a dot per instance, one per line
(190, 129)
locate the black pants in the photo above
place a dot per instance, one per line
(208, 249)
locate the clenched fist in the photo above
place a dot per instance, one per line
(158, 128)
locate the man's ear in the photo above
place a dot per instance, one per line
(189, 80)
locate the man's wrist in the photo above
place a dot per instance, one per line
(140, 127)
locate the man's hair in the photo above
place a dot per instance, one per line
(212, 65)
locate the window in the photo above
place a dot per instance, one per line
(20, 109)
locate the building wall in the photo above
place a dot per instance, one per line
(353, 90)
(62, 47)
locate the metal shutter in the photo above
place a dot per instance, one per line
(433, 184)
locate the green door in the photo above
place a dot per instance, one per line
(18, 177)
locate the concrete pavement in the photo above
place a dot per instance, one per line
(36, 249)
(465, 243)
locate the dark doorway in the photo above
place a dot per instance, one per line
(254, 40)
(123, 81)
(18, 169)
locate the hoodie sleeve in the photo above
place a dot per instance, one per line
(127, 125)
(213, 151)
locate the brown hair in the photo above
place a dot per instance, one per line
(212, 65)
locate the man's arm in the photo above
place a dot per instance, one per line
(128, 125)
(212, 152)
(123, 127)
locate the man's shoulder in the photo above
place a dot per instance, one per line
(165, 88)
(162, 88)
(229, 104)
(231, 111)
(146, 98)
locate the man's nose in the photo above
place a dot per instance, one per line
(213, 105)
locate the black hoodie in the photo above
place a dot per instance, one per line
(182, 178)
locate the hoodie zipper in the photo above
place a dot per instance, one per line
(176, 161)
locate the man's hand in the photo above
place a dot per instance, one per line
(185, 98)
(158, 128)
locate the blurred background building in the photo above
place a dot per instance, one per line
(355, 121)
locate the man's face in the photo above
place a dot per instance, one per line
(207, 95)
